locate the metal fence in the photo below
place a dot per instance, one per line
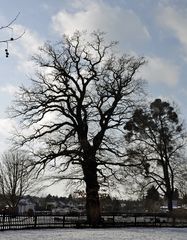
(15, 222)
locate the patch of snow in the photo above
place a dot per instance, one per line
(98, 234)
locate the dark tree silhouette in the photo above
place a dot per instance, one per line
(8, 28)
(152, 199)
(87, 93)
(176, 194)
(157, 139)
(153, 194)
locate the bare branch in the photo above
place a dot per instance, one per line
(12, 38)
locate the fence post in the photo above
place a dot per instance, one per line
(35, 221)
(3, 227)
(155, 220)
(135, 220)
(113, 219)
(173, 221)
(63, 221)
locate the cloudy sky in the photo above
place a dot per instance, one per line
(154, 29)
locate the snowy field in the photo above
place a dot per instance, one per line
(98, 234)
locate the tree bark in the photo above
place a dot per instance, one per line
(170, 200)
(92, 193)
(169, 188)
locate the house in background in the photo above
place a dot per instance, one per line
(26, 205)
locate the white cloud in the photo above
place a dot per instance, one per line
(30, 41)
(176, 21)
(6, 126)
(9, 89)
(25, 48)
(119, 23)
(160, 70)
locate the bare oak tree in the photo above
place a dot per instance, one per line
(76, 108)
(15, 179)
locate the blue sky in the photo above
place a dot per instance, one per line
(154, 29)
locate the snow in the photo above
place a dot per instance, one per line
(97, 234)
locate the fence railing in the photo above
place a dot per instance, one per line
(15, 222)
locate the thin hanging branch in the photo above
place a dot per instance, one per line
(12, 38)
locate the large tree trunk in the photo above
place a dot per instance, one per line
(169, 188)
(92, 193)
(170, 200)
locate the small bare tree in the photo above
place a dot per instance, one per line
(15, 179)
(86, 92)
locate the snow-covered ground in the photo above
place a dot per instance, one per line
(97, 234)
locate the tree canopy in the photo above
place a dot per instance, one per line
(75, 110)
(157, 139)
